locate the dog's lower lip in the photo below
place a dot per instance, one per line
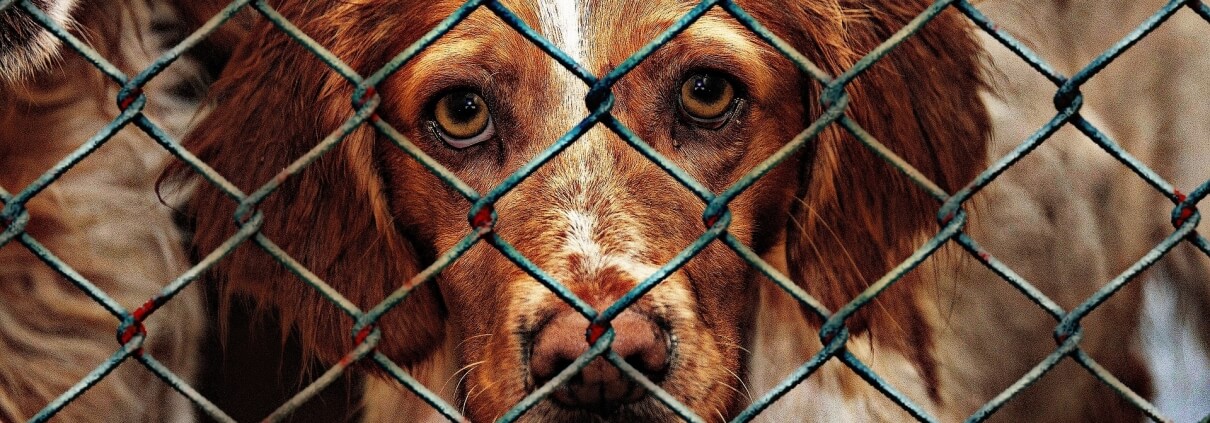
(611, 412)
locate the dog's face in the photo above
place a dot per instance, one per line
(600, 218)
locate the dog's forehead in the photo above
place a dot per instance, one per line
(597, 34)
(562, 21)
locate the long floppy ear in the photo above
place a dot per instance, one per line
(273, 103)
(858, 216)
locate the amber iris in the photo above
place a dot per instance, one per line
(707, 97)
(462, 114)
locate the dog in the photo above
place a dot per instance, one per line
(101, 217)
(600, 217)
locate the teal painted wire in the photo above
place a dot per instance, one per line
(600, 102)
(893, 159)
(1072, 320)
(321, 53)
(656, 391)
(833, 113)
(541, 276)
(92, 144)
(331, 294)
(830, 349)
(783, 282)
(912, 27)
(75, 278)
(327, 378)
(323, 147)
(92, 56)
(400, 141)
(178, 384)
(1204, 11)
(411, 51)
(649, 152)
(1068, 345)
(1000, 269)
(1118, 387)
(134, 85)
(804, 65)
(91, 379)
(664, 271)
(991, 173)
(836, 322)
(425, 276)
(606, 82)
(1113, 52)
(405, 379)
(596, 350)
(533, 36)
(16, 224)
(528, 169)
(916, 411)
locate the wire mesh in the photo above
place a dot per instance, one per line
(600, 101)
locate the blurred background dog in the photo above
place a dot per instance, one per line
(102, 217)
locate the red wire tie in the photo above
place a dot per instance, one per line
(483, 219)
(136, 327)
(365, 97)
(947, 219)
(595, 331)
(363, 333)
(130, 97)
(1186, 213)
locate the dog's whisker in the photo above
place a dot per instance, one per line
(733, 389)
(747, 393)
(470, 338)
(474, 391)
(465, 370)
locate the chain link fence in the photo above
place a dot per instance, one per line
(953, 218)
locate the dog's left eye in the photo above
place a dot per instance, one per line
(707, 98)
(461, 118)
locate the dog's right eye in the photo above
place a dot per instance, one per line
(708, 98)
(461, 118)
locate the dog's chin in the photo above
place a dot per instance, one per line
(647, 409)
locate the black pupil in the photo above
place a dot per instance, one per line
(463, 107)
(708, 88)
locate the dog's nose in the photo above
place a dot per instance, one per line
(600, 386)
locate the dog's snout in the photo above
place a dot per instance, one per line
(600, 386)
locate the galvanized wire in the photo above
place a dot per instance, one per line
(599, 103)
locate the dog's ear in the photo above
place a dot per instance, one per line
(858, 216)
(273, 103)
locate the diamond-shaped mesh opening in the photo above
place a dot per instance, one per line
(366, 336)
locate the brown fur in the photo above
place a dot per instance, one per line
(102, 218)
(364, 217)
(599, 217)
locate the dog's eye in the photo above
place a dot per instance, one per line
(461, 119)
(707, 98)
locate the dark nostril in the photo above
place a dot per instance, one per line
(600, 385)
(643, 345)
(556, 346)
